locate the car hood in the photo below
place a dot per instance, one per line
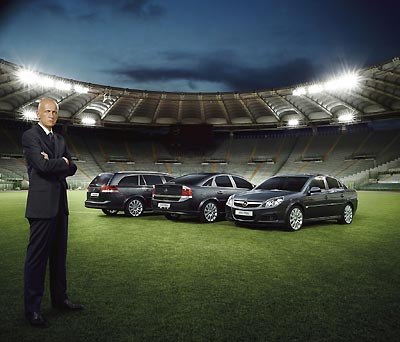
(262, 195)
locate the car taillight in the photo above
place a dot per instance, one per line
(186, 192)
(108, 188)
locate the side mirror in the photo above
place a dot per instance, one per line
(314, 189)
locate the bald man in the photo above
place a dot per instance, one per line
(49, 163)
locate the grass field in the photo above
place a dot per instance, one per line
(150, 279)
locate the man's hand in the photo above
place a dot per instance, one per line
(45, 155)
(66, 160)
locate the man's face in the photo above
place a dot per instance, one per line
(47, 113)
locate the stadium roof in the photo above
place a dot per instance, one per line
(370, 94)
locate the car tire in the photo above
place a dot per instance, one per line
(172, 216)
(110, 212)
(209, 212)
(134, 207)
(347, 214)
(294, 219)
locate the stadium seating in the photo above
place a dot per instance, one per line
(352, 155)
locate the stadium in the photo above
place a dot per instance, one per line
(152, 279)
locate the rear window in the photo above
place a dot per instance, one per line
(152, 179)
(191, 179)
(101, 179)
(284, 183)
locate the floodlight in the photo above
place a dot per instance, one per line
(27, 77)
(61, 85)
(81, 89)
(315, 88)
(293, 122)
(88, 121)
(346, 117)
(29, 114)
(46, 82)
(299, 91)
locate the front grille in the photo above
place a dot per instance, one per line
(245, 204)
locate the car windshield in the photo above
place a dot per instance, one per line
(193, 179)
(101, 179)
(284, 183)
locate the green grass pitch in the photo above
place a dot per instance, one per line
(150, 279)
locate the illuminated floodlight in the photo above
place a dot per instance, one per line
(299, 91)
(62, 85)
(81, 89)
(88, 121)
(315, 88)
(27, 77)
(46, 82)
(347, 81)
(293, 122)
(29, 115)
(346, 117)
(32, 78)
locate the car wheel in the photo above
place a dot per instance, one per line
(294, 219)
(109, 212)
(347, 215)
(209, 212)
(134, 207)
(172, 216)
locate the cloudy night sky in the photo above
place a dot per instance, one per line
(198, 46)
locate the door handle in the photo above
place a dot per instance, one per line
(220, 192)
(326, 197)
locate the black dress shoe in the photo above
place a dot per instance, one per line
(68, 305)
(37, 320)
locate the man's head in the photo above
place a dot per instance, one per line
(47, 113)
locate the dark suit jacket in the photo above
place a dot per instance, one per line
(46, 177)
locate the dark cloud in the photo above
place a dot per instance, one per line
(227, 71)
(8, 8)
(142, 9)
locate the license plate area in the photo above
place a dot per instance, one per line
(163, 205)
(244, 212)
(94, 194)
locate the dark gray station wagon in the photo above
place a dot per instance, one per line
(128, 191)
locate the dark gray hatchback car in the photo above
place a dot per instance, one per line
(128, 191)
(291, 200)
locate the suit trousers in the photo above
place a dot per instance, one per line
(47, 242)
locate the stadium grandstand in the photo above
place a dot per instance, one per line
(347, 126)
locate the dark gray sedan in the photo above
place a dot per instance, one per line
(292, 200)
(202, 195)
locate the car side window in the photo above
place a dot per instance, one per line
(223, 181)
(152, 179)
(332, 183)
(129, 181)
(242, 183)
(319, 182)
(208, 183)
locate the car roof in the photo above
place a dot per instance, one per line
(142, 172)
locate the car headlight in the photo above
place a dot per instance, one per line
(273, 202)
(229, 203)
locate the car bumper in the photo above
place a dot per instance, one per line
(169, 207)
(265, 216)
(100, 205)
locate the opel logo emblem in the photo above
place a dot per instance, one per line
(245, 204)
(165, 190)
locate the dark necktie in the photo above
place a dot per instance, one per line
(51, 138)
